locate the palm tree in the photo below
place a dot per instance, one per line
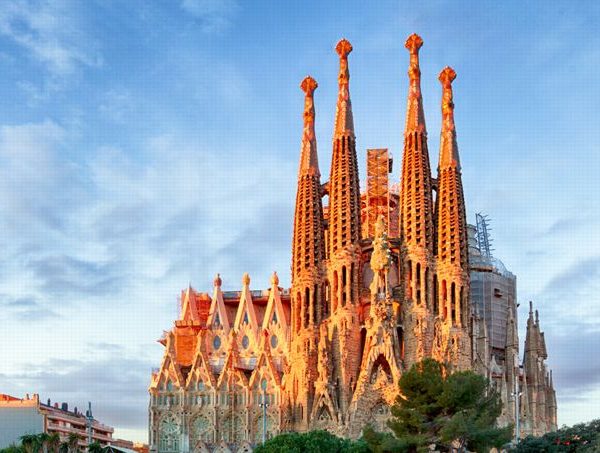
(73, 442)
(54, 443)
(95, 447)
(30, 443)
(43, 439)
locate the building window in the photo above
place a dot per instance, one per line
(216, 342)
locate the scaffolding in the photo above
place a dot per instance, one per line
(379, 165)
(483, 235)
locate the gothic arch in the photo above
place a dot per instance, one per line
(169, 432)
(381, 367)
(202, 430)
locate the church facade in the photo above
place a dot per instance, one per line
(379, 281)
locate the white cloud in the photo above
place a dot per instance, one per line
(133, 231)
(51, 32)
(214, 15)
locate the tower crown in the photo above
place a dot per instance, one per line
(415, 117)
(309, 161)
(448, 147)
(344, 121)
(413, 43)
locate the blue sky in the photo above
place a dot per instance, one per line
(145, 145)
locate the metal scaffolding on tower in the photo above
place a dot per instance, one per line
(379, 165)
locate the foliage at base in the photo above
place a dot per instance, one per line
(584, 438)
(446, 411)
(312, 441)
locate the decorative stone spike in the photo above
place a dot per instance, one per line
(246, 279)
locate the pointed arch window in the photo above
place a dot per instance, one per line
(274, 318)
(245, 321)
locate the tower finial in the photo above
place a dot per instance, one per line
(217, 281)
(344, 122)
(246, 279)
(309, 162)
(448, 148)
(413, 44)
(274, 279)
(415, 117)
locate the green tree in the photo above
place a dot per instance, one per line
(459, 410)
(43, 440)
(54, 443)
(94, 447)
(583, 437)
(73, 443)
(312, 441)
(30, 443)
(471, 409)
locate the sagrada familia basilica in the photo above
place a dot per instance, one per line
(380, 280)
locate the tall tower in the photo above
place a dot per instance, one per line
(343, 245)
(452, 338)
(308, 276)
(416, 219)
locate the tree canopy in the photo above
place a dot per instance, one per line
(441, 409)
(583, 437)
(312, 441)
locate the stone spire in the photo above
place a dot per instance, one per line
(308, 271)
(343, 245)
(448, 146)
(309, 161)
(416, 219)
(308, 249)
(415, 116)
(451, 219)
(344, 122)
(344, 190)
(451, 222)
(416, 216)
(541, 396)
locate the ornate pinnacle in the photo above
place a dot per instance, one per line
(309, 85)
(309, 163)
(217, 281)
(447, 76)
(344, 121)
(274, 279)
(415, 117)
(413, 44)
(343, 49)
(448, 148)
(246, 279)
